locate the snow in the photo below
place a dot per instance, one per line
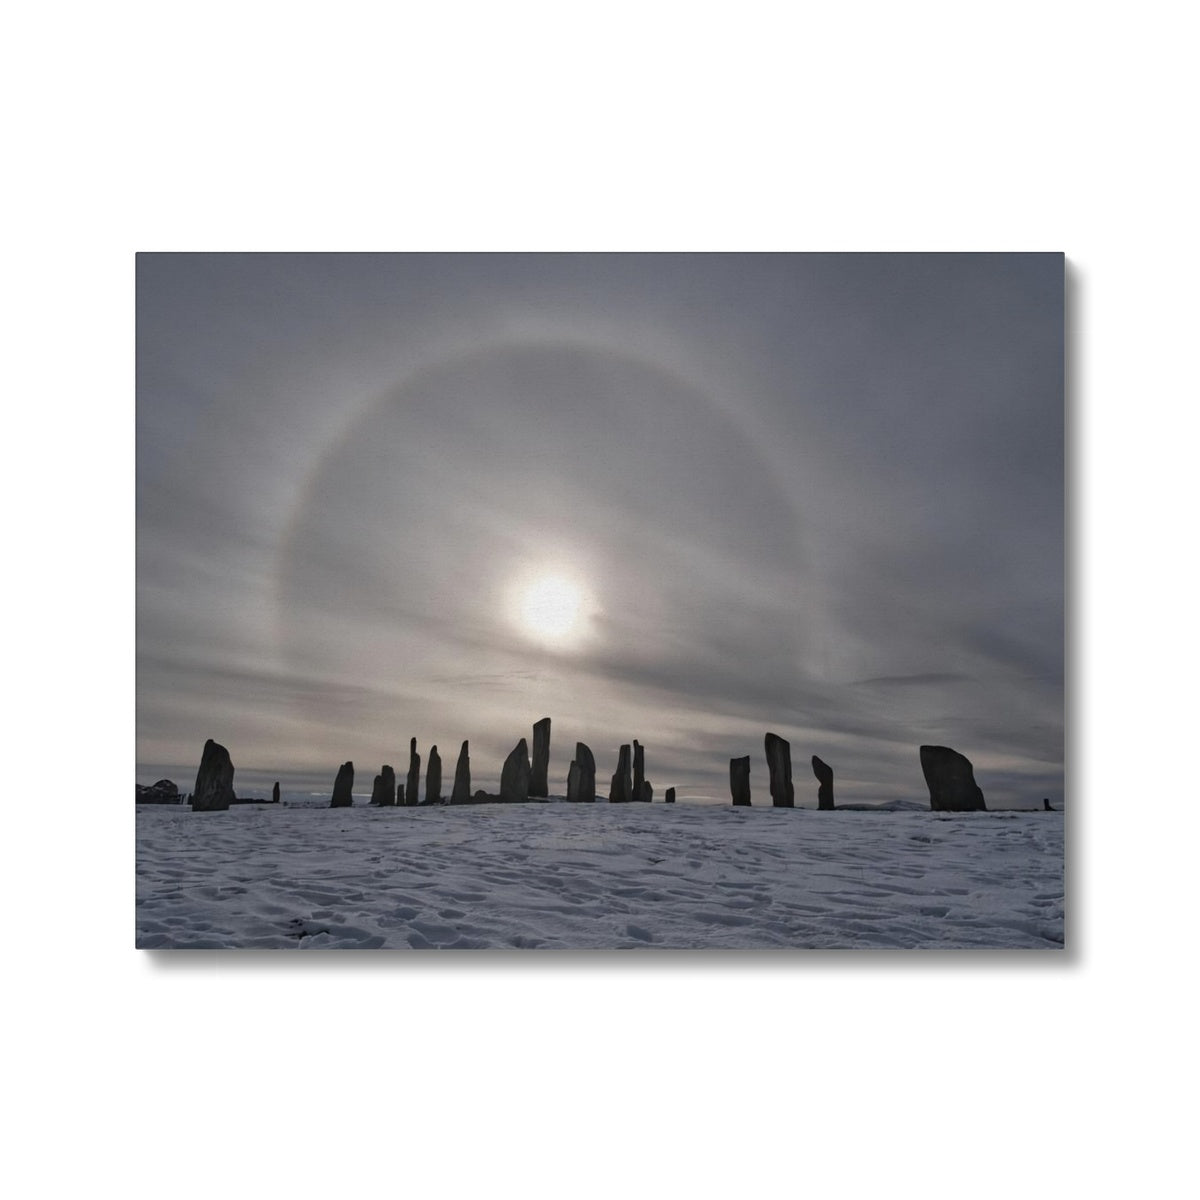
(596, 876)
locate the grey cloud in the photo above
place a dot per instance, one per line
(819, 492)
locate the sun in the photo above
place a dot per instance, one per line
(553, 609)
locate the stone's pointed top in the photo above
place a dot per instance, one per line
(343, 786)
(585, 758)
(824, 773)
(214, 780)
(514, 776)
(951, 780)
(461, 793)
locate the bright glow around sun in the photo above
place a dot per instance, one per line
(553, 609)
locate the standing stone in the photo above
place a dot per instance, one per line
(275, 793)
(399, 793)
(514, 777)
(376, 787)
(951, 780)
(433, 777)
(779, 764)
(639, 768)
(670, 796)
(414, 773)
(824, 773)
(585, 760)
(462, 778)
(343, 786)
(621, 789)
(573, 776)
(739, 779)
(1046, 805)
(214, 780)
(384, 793)
(540, 767)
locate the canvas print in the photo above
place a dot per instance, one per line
(600, 601)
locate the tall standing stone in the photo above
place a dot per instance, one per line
(670, 796)
(639, 768)
(214, 780)
(573, 777)
(462, 778)
(414, 773)
(739, 779)
(951, 780)
(343, 786)
(376, 788)
(621, 789)
(514, 777)
(585, 760)
(433, 777)
(275, 793)
(824, 773)
(779, 764)
(539, 770)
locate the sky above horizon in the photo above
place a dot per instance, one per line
(680, 498)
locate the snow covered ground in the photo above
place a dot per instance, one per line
(596, 876)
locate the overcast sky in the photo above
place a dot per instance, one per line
(815, 494)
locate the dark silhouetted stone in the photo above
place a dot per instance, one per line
(824, 773)
(433, 777)
(162, 792)
(514, 777)
(275, 793)
(951, 780)
(585, 760)
(647, 793)
(1046, 805)
(779, 765)
(539, 767)
(343, 786)
(621, 789)
(573, 776)
(462, 778)
(739, 779)
(399, 793)
(414, 773)
(670, 796)
(214, 780)
(639, 768)
(384, 791)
